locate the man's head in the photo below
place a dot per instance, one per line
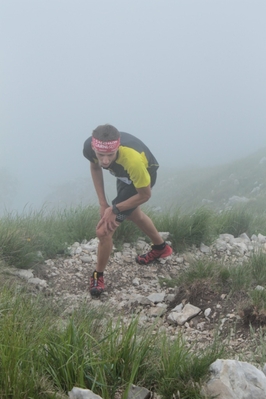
(105, 143)
(106, 133)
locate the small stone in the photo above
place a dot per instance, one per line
(156, 297)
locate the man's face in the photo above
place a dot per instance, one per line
(105, 159)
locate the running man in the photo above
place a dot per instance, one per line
(135, 168)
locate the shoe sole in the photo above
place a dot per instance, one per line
(96, 293)
(154, 260)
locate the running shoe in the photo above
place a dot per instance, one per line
(154, 254)
(96, 285)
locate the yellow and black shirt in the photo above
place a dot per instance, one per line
(134, 163)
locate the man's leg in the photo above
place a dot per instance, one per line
(105, 247)
(159, 248)
(145, 224)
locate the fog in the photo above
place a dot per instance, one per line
(187, 77)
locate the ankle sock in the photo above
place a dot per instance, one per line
(159, 247)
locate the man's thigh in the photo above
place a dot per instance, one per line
(126, 191)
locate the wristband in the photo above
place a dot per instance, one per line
(115, 210)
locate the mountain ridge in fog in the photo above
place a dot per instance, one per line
(189, 188)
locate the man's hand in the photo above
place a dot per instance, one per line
(108, 222)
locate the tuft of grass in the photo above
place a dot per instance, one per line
(258, 267)
(28, 238)
(179, 372)
(240, 277)
(258, 299)
(97, 353)
(23, 326)
(250, 273)
(235, 221)
(42, 358)
(198, 270)
(202, 269)
(125, 349)
(185, 230)
(235, 277)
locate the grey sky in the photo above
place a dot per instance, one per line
(187, 77)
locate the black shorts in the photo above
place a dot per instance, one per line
(126, 191)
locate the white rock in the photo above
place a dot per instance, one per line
(26, 274)
(261, 238)
(178, 308)
(136, 281)
(259, 288)
(164, 235)
(157, 297)
(231, 379)
(37, 281)
(207, 312)
(204, 248)
(79, 393)
(186, 314)
(143, 300)
(86, 259)
(220, 245)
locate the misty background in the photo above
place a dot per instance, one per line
(186, 77)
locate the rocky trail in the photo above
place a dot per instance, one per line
(198, 311)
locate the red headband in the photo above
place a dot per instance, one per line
(105, 146)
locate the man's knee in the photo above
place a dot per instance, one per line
(102, 234)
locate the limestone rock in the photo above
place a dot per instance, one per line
(231, 379)
(184, 315)
(79, 393)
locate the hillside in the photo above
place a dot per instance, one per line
(219, 187)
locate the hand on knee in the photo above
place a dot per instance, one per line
(102, 234)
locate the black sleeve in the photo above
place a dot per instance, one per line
(88, 151)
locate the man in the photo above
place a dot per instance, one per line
(132, 163)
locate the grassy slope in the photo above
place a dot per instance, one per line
(187, 188)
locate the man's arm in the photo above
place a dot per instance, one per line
(143, 195)
(109, 218)
(97, 178)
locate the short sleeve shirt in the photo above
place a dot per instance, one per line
(134, 163)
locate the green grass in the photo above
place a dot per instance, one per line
(24, 323)
(26, 238)
(179, 372)
(29, 238)
(235, 221)
(238, 281)
(43, 358)
(185, 230)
